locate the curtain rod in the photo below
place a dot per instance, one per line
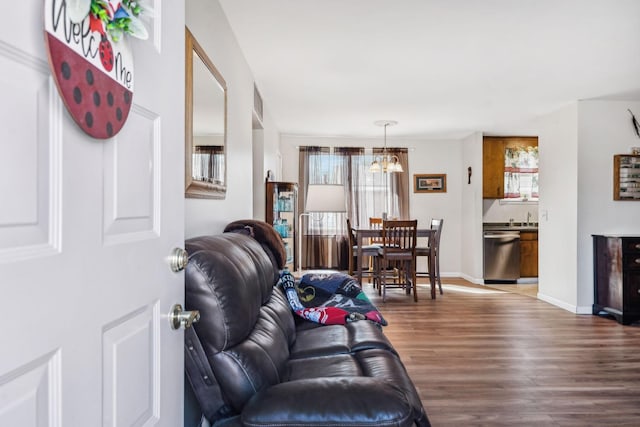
(332, 147)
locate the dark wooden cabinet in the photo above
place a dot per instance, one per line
(493, 167)
(528, 254)
(282, 213)
(493, 161)
(617, 277)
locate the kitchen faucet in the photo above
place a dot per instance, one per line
(528, 218)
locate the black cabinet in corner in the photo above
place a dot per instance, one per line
(617, 277)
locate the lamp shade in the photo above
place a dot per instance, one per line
(325, 198)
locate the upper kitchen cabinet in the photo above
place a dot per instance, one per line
(493, 167)
(508, 166)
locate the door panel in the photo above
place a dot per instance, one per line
(27, 395)
(30, 116)
(131, 369)
(86, 229)
(132, 178)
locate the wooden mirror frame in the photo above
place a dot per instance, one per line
(194, 188)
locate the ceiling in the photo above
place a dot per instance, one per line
(442, 69)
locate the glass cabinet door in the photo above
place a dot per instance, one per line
(281, 213)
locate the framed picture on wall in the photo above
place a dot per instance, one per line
(430, 183)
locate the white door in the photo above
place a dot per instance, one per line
(86, 229)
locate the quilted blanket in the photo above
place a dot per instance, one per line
(329, 298)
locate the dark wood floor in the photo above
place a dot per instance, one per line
(496, 358)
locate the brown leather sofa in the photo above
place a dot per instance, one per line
(249, 362)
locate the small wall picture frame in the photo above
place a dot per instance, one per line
(430, 183)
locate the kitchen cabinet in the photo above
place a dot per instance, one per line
(493, 168)
(616, 288)
(528, 254)
(493, 162)
(626, 177)
(281, 213)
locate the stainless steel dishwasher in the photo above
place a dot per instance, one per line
(501, 256)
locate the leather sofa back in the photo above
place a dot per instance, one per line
(245, 327)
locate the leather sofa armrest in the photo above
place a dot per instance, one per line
(330, 402)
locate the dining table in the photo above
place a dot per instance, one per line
(363, 233)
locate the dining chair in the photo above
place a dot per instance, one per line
(370, 251)
(398, 251)
(375, 223)
(433, 244)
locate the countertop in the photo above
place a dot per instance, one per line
(505, 226)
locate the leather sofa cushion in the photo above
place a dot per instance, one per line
(340, 365)
(333, 339)
(338, 401)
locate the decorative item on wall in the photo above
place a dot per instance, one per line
(430, 183)
(626, 177)
(90, 59)
(634, 122)
(469, 175)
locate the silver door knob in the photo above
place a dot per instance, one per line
(178, 259)
(180, 318)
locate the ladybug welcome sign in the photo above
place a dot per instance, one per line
(90, 60)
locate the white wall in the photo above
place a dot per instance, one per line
(471, 210)
(498, 211)
(438, 156)
(265, 144)
(209, 25)
(577, 144)
(425, 156)
(604, 129)
(557, 229)
(259, 193)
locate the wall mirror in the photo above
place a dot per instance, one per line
(205, 124)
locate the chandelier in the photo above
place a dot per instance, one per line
(385, 162)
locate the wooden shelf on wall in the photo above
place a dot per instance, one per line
(626, 177)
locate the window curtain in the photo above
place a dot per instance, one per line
(399, 185)
(381, 192)
(324, 236)
(208, 163)
(322, 232)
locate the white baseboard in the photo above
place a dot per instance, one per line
(474, 280)
(569, 307)
(584, 310)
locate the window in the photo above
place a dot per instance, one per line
(324, 168)
(208, 163)
(521, 173)
(367, 195)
